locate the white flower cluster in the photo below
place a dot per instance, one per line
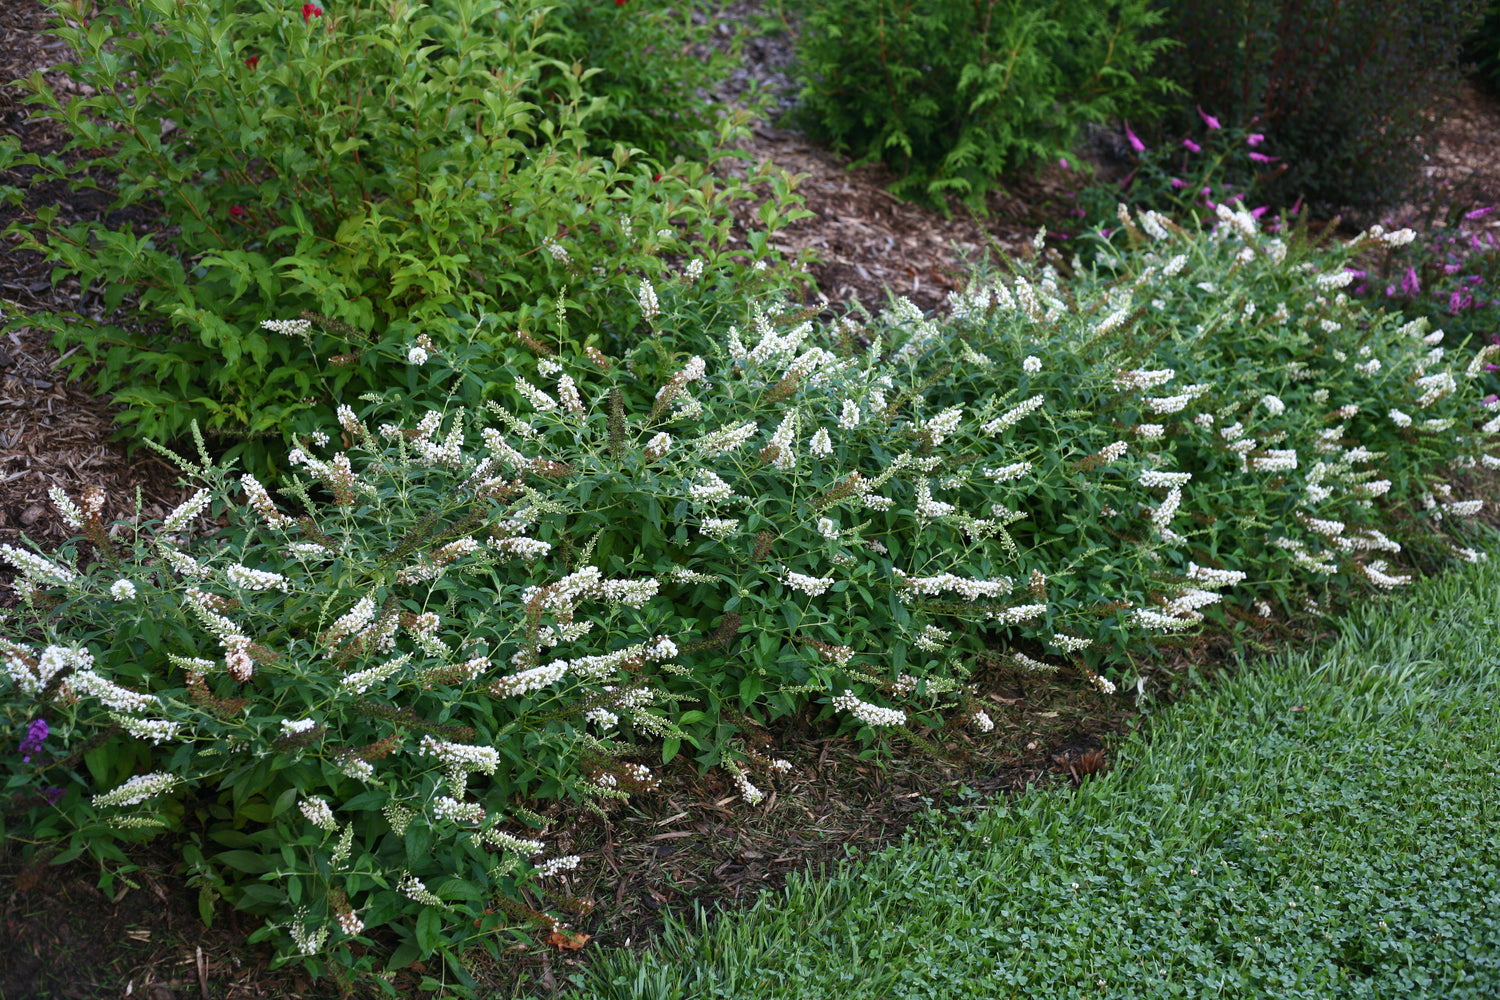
(1014, 415)
(414, 888)
(122, 590)
(1152, 478)
(361, 681)
(1141, 380)
(972, 590)
(1214, 577)
(982, 722)
(1376, 573)
(726, 440)
(1006, 473)
(254, 579)
(813, 586)
(529, 680)
(646, 296)
(318, 813)
(36, 569)
(1069, 643)
(553, 866)
(137, 789)
(929, 509)
(870, 715)
(461, 755)
(710, 489)
(447, 808)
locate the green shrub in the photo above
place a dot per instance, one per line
(383, 165)
(1341, 88)
(652, 66)
(953, 96)
(717, 527)
(1482, 48)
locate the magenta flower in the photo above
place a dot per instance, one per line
(1255, 139)
(1263, 158)
(1192, 146)
(1411, 285)
(1208, 119)
(36, 735)
(1258, 212)
(310, 11)
(1479, 213)
(1491, 398)
(1063, 162)
(236, 212)
(1134, 140)
(1178, 182)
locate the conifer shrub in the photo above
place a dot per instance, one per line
(385, 168)
(1341, 88)
(952, 97)
(368, 703)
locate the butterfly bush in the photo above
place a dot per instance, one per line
(396, 677)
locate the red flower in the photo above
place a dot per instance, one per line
(236, 212)
(310, 11)
(619, 3)
(253, 61)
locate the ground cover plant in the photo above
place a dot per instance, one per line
(953, 96)
(365, 705)
(394, 168)
(1319, 825)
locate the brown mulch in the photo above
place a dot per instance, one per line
(691, 844)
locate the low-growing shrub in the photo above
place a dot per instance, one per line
(953, 96)
(383, 165)
(1451, 274)
(367, 705)
(1342, 88)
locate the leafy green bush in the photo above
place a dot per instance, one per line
(651, 64)
(1341, 88)
(952, 96)
(384, 165)
(1482, 48)
(444, 630)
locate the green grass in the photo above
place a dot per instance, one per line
(1320, 826)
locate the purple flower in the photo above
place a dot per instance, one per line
(1491, 398)
(1192, 146)
(1178, 182)
(52, 795)
(1254, 139)
(1063, 162)
(1390, 291)
(1208, 119)
(1263, 158)
(36, 735)
(1258, 212)
(1134, 140)
(1411, 285)
(1480, 213)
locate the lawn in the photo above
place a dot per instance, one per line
(1315, 825)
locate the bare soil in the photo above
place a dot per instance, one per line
(693, 843)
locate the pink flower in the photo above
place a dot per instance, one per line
(310, 11)
(1135, 141)
(1258, 212)
(1192, 146)
(1411, 285)
(1179, 183)
(253, 62)
(1479, 213)
(1254, 139)
(1208, 119)
(1063, 162)
(1263, 158)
